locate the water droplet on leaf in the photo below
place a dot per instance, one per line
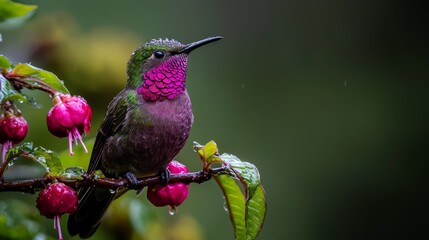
(225, 207)
(41, 159)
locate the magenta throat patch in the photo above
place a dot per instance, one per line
(165, 81)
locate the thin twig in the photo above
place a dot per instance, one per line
(33, 185)
(20, 81)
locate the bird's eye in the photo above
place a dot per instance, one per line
(158, 54)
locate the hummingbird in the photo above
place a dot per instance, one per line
(145, 127)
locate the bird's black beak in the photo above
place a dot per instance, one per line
(192, 46)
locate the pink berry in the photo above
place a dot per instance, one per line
(69, 117)
(13, 130)
(171, 194)
(55, 200)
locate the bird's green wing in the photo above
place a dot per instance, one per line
(93, 202)
(112, 123)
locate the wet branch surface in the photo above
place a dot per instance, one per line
(37, 184)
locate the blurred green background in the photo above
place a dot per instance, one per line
(327, 98)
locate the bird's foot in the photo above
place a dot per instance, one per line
(133, 182)
(165, 176)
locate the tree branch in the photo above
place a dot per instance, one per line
(34, 185)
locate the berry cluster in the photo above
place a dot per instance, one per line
(69, 117)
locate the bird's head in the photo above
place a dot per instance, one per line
(158, 68)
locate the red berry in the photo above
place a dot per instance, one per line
(171, 194)
(12, 128)
(69, 117)
(57, 199)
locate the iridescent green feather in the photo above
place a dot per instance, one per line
(139, 57)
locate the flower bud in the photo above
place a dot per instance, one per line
(69, 117)
(173, 194)
(55, 200)
(13, 130)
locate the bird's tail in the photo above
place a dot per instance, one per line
(93, 203)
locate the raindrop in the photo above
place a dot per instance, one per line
(20, 101)
(112, 191)
(10, 164)
(172, 210)
(225, 207)
(41, 159)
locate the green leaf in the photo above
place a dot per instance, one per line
(243, 170)
(256, 210)
(22, 98)
(72, 173)
(248, 216)
(209, 149)
(25, 147)
(8, 93)
(235, 204)
(46, 158)
(13, 14)
(5, 62)
(17, 152)
(246, 210)
(39, 77)
(98, 174)
(9, 9)
(6, 89)
(208, 153)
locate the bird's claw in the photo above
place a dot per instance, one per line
(165, 176)
(133, 182)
